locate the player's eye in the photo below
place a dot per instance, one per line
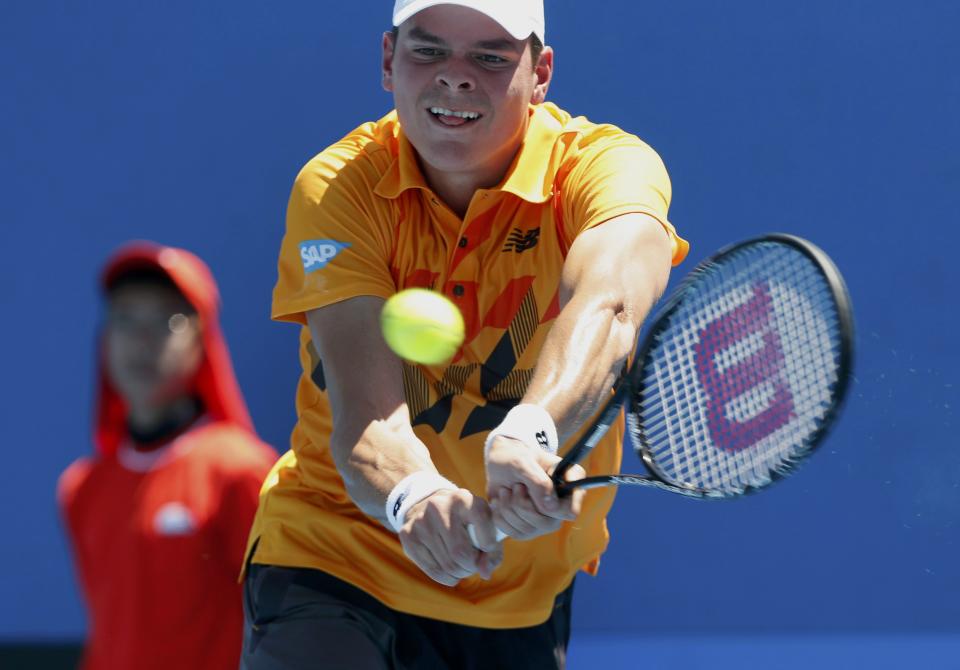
(491, 59)
(429, 52)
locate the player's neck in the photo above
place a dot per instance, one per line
(151, 426)
(457, 188)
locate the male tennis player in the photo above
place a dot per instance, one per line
(159, 517)
(551, 235)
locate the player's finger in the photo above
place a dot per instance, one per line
(568, 506)
(524, 508)
(482, 532)
(480, 517)
(490, 561)
(538, 483)
(431, 527)
(453, 548)
(459, 555)
(573, 473)
(507, 518)
(423, 557)
(456, 557)
(451, 561)
(523, 464)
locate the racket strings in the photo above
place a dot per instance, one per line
(743, 374)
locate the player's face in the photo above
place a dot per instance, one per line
(462, 85)
(153, 344)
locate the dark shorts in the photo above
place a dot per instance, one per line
(299, 619)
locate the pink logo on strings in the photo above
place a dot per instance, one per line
(763, 366)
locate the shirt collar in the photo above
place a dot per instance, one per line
(404, 172)
(145, 461)
(530, 176)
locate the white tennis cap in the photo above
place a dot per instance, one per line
(520, 18)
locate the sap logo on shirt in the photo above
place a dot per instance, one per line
(174, 518)
(317, 253)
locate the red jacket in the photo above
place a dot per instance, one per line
(159, 536)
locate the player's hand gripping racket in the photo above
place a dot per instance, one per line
(739, 377)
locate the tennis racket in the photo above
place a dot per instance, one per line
(739, 377)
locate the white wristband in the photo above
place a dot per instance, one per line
(528, 423)
(411, 490)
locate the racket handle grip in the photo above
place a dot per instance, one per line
(501, 536)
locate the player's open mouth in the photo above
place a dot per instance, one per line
(450, 117)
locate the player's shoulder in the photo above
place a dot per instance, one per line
(362, 156)
(583, 137)
(73, 478)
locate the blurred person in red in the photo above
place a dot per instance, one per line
(158, 517)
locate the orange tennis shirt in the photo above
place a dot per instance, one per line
(362, 221)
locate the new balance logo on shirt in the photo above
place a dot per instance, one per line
(521, 240)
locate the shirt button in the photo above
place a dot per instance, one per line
(463, 242)
(458, 290)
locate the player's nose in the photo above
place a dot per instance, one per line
(455, 80)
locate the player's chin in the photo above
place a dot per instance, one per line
(448, 155)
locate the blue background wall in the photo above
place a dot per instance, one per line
(186, 122)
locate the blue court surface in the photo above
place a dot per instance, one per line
(777, 652)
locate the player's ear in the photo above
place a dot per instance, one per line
(543, 72)
(388, 45)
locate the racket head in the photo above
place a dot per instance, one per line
(744, 369)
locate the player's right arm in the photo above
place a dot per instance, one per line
(374, 446)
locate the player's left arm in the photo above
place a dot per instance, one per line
(613, 274)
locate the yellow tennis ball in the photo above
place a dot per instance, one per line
(422, 326)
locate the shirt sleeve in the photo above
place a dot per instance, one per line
(339, 236)
(68, 485)
(616, 177)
